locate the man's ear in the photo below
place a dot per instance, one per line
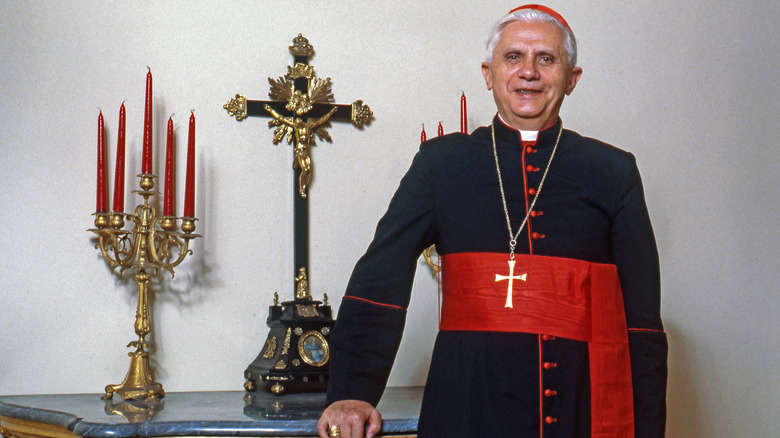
(576, 74)
(486, 74)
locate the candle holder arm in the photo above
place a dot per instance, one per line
(160, 248)
(117, 248)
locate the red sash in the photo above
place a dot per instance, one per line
(561, 297)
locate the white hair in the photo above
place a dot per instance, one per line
(528, 16)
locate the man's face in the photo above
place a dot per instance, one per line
(530, 74)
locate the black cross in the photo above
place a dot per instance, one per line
(299, 97)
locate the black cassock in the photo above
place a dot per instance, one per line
(591, 208)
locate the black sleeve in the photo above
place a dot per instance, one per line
(636, 256)
(372, 314)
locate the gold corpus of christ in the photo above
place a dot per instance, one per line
(297, 125)
(296, 354)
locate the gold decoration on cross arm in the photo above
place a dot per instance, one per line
(237, 107)
(360, 113)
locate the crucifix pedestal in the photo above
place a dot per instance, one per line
(296, 352)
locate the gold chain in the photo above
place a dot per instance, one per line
(513, 237)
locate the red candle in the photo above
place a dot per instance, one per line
(146, 164)
(119, 174)
(464, 128)
(423, 136)
(169, 200)
(189, 193)
(441, 129)
(102, 200)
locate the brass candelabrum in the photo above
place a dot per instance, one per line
(153, 243)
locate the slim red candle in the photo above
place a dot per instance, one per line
(146, 164)
(464, 128)
(441, 129)
(119, 174)
(423, 136)
(169, 164)
(189, 193)
(102, 200)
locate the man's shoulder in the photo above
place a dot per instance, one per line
(450, 153)
(585, 158)
(594, 146)
(454, 138)
(455, 141)
(589, 149)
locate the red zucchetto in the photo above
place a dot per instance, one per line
(546, 10)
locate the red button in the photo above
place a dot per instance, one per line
(530, 150)
(550, 420)
(535, 213)
(550, 392)
(537, 235)
(548, 365)
(531, 168)
(548, 338)
(531, 192)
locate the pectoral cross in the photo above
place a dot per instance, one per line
(301, 109)
(511, 277)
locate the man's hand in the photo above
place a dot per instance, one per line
(351, 417)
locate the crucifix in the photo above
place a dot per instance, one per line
(511, 277)
(301, 109)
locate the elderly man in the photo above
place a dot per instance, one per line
(550, 320)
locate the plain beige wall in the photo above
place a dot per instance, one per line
(693, 93)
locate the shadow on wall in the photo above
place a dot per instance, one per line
(686, 395)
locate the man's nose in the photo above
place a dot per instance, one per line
(528, 70)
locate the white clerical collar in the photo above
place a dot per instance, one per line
(524, 135)
(529, 135)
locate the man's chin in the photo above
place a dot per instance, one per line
(525, 118)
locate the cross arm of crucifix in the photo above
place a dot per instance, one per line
(240, 107)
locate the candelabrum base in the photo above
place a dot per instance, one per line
(138, 383)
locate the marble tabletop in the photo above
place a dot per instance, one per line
(223, 413)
